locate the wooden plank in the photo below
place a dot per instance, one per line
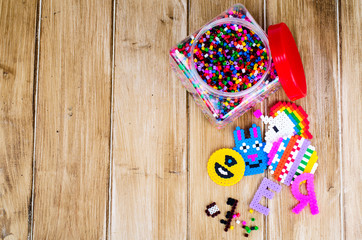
(351, 90)
(73, 120)
(17, 48)
(149, 192)
(205, 139)
(314, 27)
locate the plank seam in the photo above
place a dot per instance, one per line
(340, 144)
(35, 102)
(188, 231)
(109, 209)
(264, 106)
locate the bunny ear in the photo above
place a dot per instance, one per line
(255, 131)
(239, 134)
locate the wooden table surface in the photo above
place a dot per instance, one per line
(99, 140)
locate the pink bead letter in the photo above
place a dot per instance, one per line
(305, 199)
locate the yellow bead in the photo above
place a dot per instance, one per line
(231, 227)
(251, 210)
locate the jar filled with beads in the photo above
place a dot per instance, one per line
(228, 67)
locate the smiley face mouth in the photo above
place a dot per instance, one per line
(255, 165)
(222, 172)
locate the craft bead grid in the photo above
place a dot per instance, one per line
(228, 68)
(212, 210)
(251, 149)
(289, 152)
(291, 159)
(233, 218)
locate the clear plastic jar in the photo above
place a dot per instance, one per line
(220, 103)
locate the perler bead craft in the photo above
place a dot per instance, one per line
(226, 167)
(251, 149)
(290, 157)
(263, 191)
(286, 120)
(229, 215)
(212, 210)
(289, 151)
(305, 199)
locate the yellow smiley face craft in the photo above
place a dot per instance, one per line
(226, 167)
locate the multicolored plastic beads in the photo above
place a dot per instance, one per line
(230, 57)
(264, 191)
(251, 149)
(212, 210)
(229, 215)
(226, 167)
(208, 59)
(286, 119)
(289, 151)
(290, 157)
(305, 199)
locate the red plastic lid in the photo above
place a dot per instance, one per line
(287, 61)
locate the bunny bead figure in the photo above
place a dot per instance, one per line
(251, 149)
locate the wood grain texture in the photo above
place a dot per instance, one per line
(314, 27)
(16, 115)
(205, 139)
(161, 140)
(351, 90)
(73, 120)
(149, 186)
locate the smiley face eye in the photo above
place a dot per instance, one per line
(257, 145)
(229, 161)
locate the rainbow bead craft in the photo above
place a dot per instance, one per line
(290, 153)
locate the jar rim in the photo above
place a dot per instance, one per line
(246, 24)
